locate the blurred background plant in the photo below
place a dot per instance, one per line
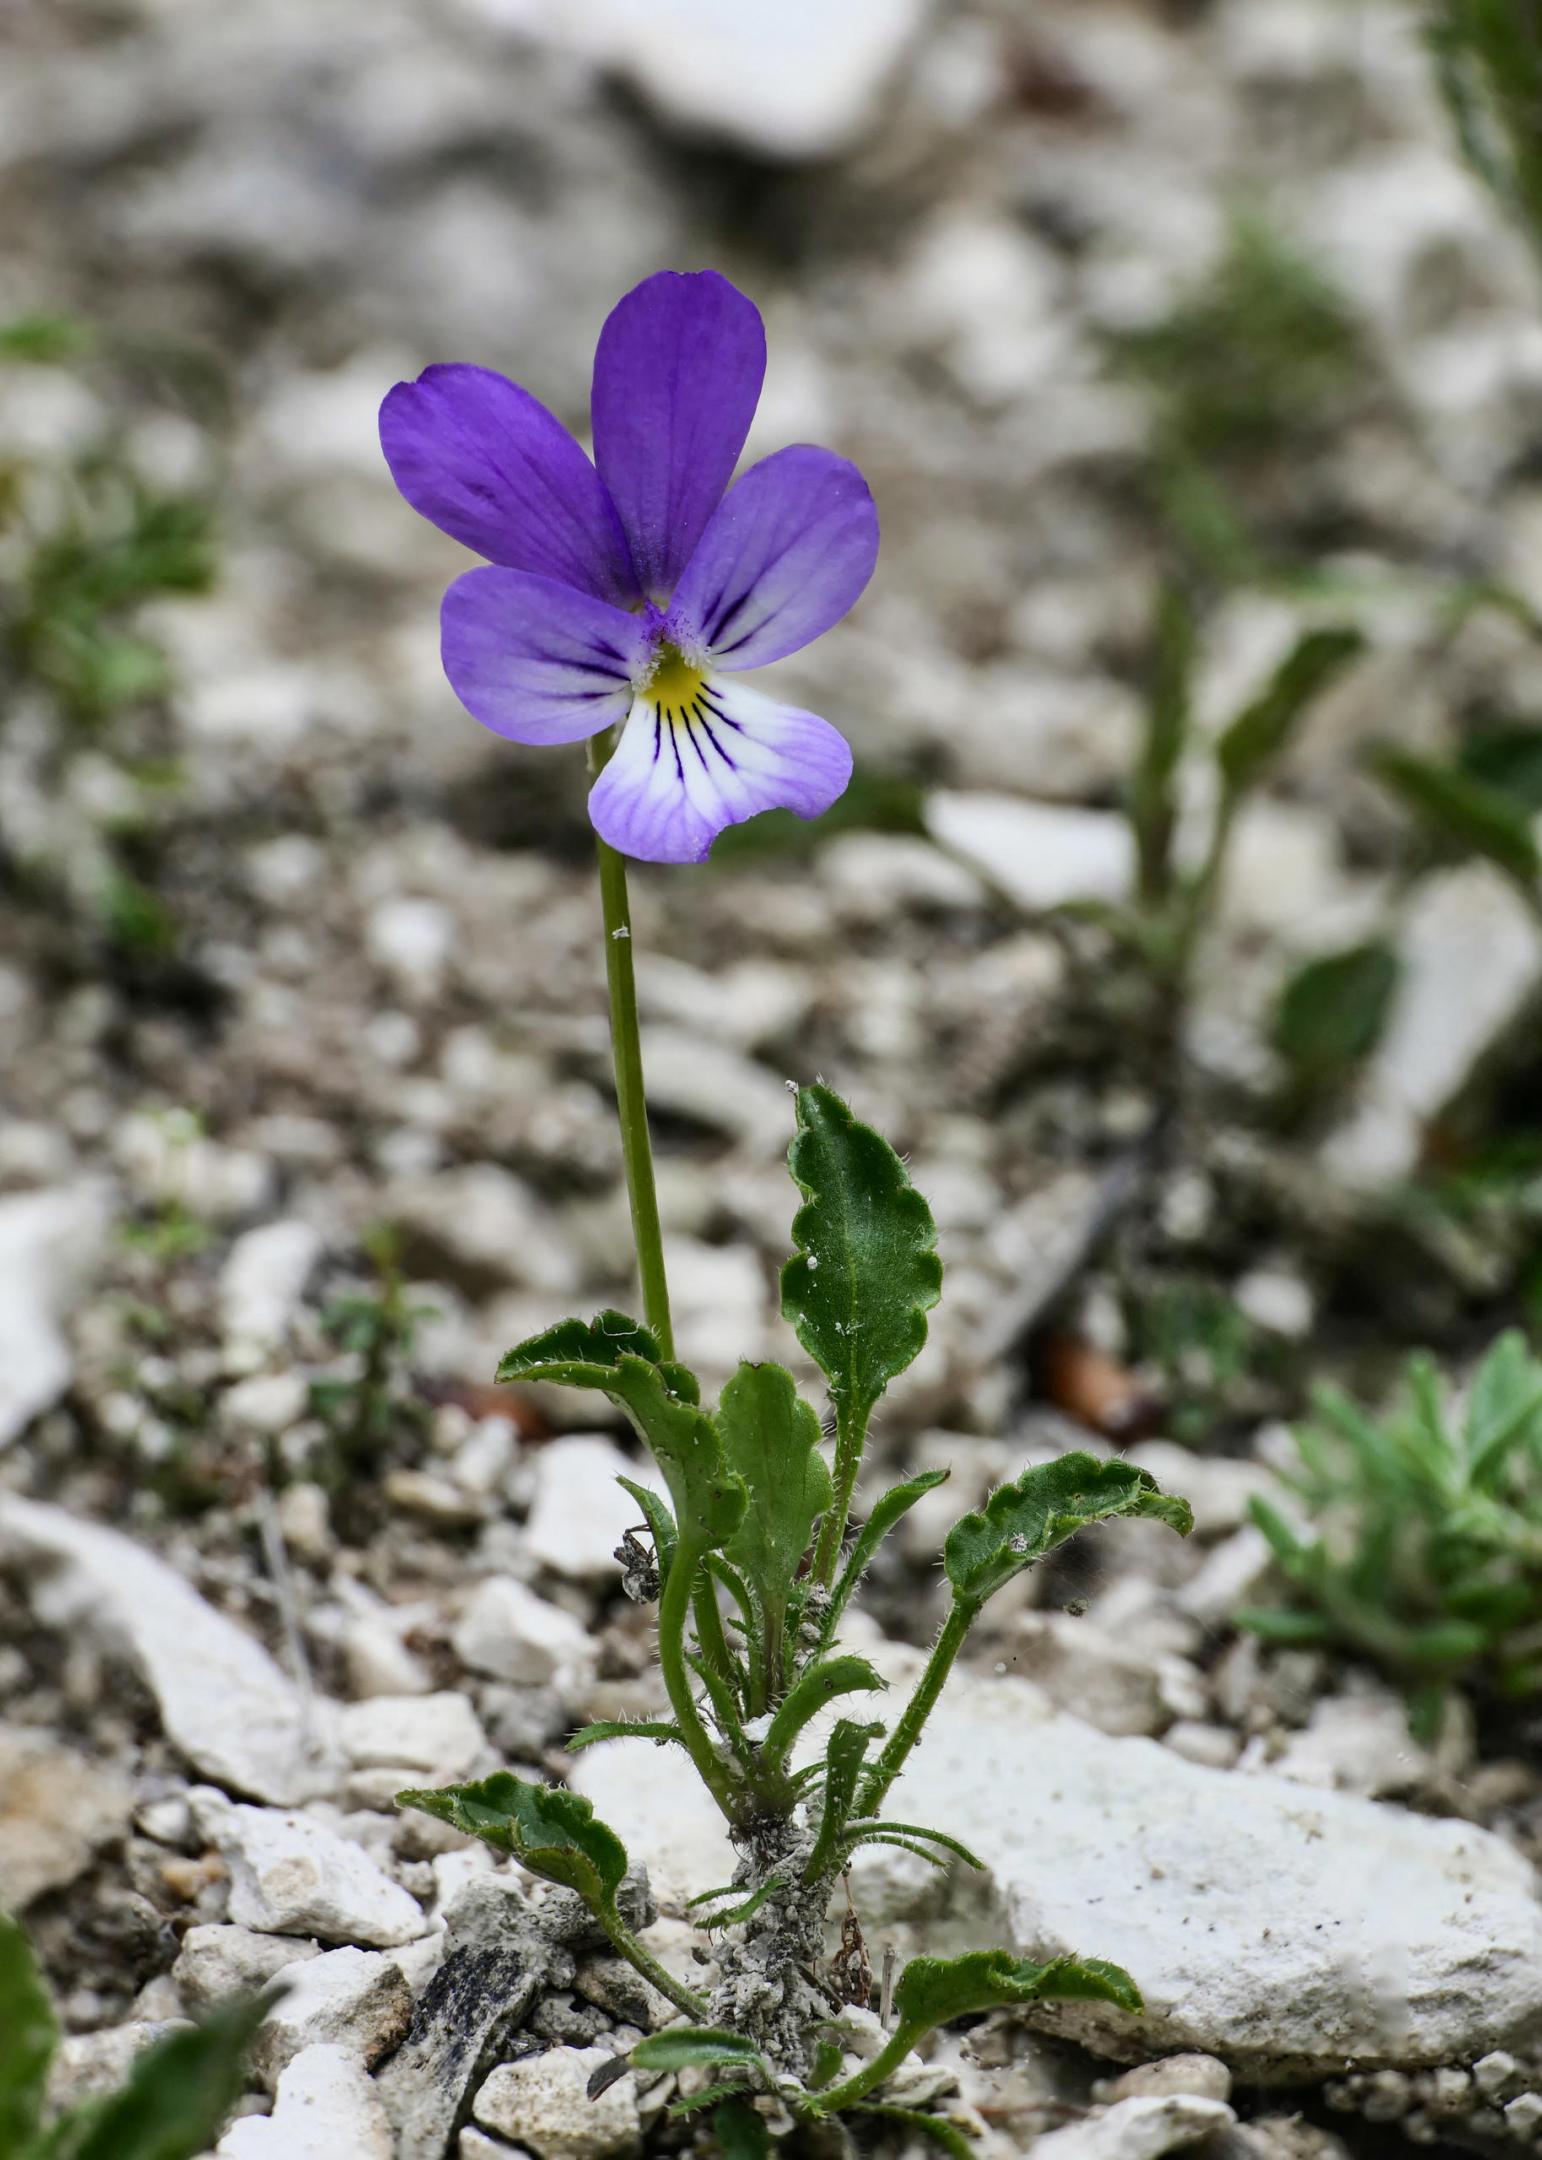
(1421, 1547)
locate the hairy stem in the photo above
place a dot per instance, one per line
(919, 1708)
(850, 1433)
(626, 1943)
(631, 1101)
(673, 1608)
(871, 2073)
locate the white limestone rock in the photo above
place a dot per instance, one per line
(326, 2107)
(220, 1961)
(49, 1243)
(1040, 854)
(543, 2103)
(263, 1281)
(57, 1809)
(1138, 2129)
(433, 1733)
(578, 1513)
(223, 1701)
(291, 1875)
(509, 1633)
(357, 1999)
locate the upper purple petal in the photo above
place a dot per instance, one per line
(787, 552)
(677, 375)
(537, 661)
(488, 464)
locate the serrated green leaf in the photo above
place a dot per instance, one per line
(1264, 727)
(694, 2047)
(931, 1991)
(741, 2133)
(1462, 813)
(1333, 1011)
(549, 1830)
(771, 1442)
(177, 2099)
(1039, 1510)
(28, 2037)
(815, 1689)
(620, 1358)
(866, 1271)
(896, 1502)
(849, 1743)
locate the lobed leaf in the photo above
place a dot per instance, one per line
(771, 1441)
(549, 1830)
(866, 1271)
(1039, 1510)
(931, 1991)
(28, 2037)
(620, 1358)
(177, 2099)
(1264, 727)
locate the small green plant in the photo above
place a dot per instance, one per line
(370, 1408)
(1423, 1541)
(755, 1571)
(177, 2099)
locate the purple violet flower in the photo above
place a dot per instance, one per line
(639, 588)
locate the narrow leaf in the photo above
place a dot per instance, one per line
(1263, 728)
(771, 1441)
(178, 2097)
(549, 1830)
(1462, 813)
(866, 1272)
(661, 1524)
(1047, 1504)
(931, 1991)
(693, 2047)
(28, 2037)
(623, 1729)
(861, 1830)
(736, 1915)
(814, 1691)
(1504, 1402)
(896, 1502)
(843, 1767)
(936, 2127)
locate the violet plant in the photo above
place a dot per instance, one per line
(622, 603)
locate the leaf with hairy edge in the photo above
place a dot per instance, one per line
(178, 2097)
(866, 1271)
(662, 1401)
(1047, 1504)
(736, 1915)
(896, 1502)
(624, 1729)
(1263, 728)
(28, 2037)
(1464, 813)
(849, 1743)
(932, 1991)
(813, 1691)
(549, 1830)
(771, 1441)
(694, 2047)
(862, 1831)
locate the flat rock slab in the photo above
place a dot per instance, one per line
(290, 1875)
(223, 1701)
(1291, 1932)
(327, 2109)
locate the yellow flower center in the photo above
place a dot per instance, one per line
(674, 683)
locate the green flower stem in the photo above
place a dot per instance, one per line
(673, 1990)
(919, 1708)
(850, 1434)
(873, 2073)
(631, 1101)
(674, 1605)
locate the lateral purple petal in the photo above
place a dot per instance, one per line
(537, 661)
(670, 789)
(788, 551)
(487, 463)
(677, 375)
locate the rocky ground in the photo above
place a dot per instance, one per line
(273, 1201)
